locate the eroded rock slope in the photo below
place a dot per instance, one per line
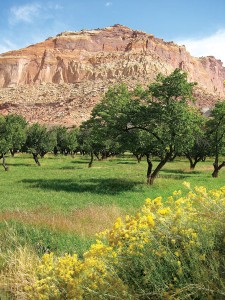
(58, 81)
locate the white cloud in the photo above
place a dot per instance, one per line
(3, 49)
(54, 6)
(212, 45)
(7, 45)
(25, 13)
(108, 4)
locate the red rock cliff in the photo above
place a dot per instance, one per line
(79, 66)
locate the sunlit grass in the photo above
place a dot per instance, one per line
(71, 202)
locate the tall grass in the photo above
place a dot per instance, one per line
(62, 204)
(170, 249)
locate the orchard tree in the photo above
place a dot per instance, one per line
(88, 141)
(216, 135)
(93, 139)
(39, 141)
(12, 135)
(61, 138)
(72, 142)
(66, 140)
(16, 132)
(166, 115)
(4, 142)
(161, 111)
(198, 151)
(138, 142)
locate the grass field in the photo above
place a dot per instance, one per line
(62, 204)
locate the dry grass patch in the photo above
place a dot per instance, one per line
(19, 270)
(85, 221)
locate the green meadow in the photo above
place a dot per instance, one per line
(61, 205)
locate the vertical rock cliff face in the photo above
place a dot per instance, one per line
(102, 57)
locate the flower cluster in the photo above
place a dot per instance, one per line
(171, 249)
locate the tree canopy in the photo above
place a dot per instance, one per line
(216, 135)
(161, 111)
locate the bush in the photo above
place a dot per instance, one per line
(171, 249)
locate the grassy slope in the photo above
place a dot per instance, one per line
(60, 205)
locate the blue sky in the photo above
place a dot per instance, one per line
(198, 24)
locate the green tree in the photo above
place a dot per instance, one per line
(162, 111)
(216, 136)
(93, 140)
(198, 151)
(39, 141)
(61, 138)
(16, 132)
(66, 140)
(72, 142)
(165, 114)
(138, 142)
(4, 142)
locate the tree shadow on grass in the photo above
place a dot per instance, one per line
(18, 165)
(80, 162)
(110, 186)
(183, 172)
(179, 174)
(71, 168)
(127, 163)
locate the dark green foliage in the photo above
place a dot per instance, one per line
(66, 140)
(199, 151)
(39, 141)
(216, 135)
(160, 112)
(16, 132)
(12, 135)
(4, 142)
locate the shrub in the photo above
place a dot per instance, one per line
(171, 249)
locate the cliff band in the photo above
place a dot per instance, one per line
(58, 81)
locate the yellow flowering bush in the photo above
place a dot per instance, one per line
(171, 249)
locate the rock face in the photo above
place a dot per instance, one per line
(62, 78)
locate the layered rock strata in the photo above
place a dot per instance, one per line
(59, 80)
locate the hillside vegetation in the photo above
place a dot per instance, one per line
(81, 180)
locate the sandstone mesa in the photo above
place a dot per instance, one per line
(59, 80)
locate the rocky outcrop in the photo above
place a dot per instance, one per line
(63, 77)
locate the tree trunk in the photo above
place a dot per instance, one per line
(192, 165)
(104, 154)
(194, 161)
(158, 168)
(97, 156)
(12, 152)
(55, 151)
(217, 167)
(3, 162)
(151, 177)
(91, 161)
(216, 164)
(149, 170)
(138, 157)
(35, 156)
(215, 172)
(173, 157)
(42, 154)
